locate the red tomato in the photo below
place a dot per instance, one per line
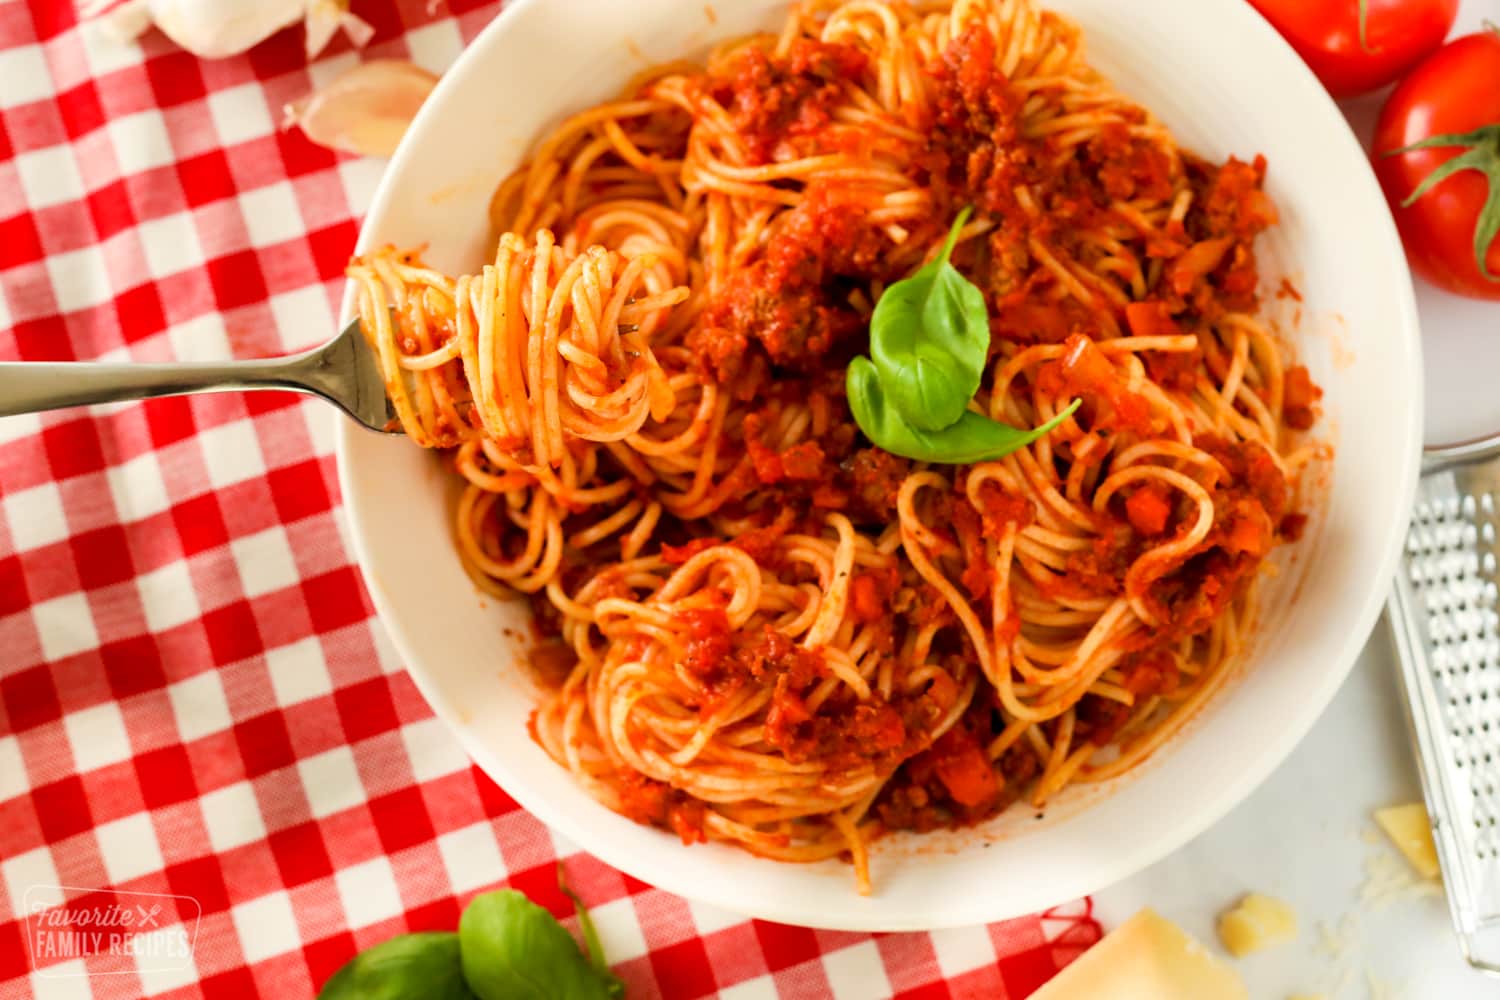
(1446, 193)
(1326, 34)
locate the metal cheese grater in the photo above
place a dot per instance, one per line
(1444, 614)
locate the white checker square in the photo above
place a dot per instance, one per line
(65, 625)
(265, 561)
(266, 926)
(36, 516)
(13, 780)
(619, 929)
(22, 425)
(170, 244)
(298, 671)
(64, 981)
(856, 972)
(231, 815)
(97, 736)
(368, 892)
(331, 781)
(759, 988)
(323, 423)
(199, 705)
(231, 453)
(271, 214)
(302, 317)
(80, 279)
(202, 338)
(26, 74)
(129, 848)
(167, 596)
(240, 114)
(708, 919)
(163, 975)
(141, 142)
(361, 177)
(433, 749)
(435, 46)
(25, 874)
(138, 487)
(49, 176)
(103, 47)
(472, 858)
(963, 949)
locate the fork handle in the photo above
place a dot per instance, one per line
(33, 386)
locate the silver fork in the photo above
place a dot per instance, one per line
(343, 371)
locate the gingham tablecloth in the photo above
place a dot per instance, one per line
(198, 715)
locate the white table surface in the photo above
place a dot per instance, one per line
(1304, 836)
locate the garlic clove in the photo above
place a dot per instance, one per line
(326, 17)
(365, 110)
(214, 29)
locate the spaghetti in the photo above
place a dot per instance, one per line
(759, 628)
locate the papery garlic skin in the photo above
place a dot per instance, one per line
(216, 29)
(366, 109)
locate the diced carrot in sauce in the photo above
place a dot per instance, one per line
(1148, 509)
(964, 770)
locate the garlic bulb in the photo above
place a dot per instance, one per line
(214, 29)
(366, 109)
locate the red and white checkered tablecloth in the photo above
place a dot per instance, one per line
(200, 721)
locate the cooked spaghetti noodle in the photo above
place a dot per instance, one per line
(760, 628)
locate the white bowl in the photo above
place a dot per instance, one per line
(1226, 83)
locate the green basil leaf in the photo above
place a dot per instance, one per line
(513, 949)
(930, 339)
(422, 966)
(972, 438)
(592, 947)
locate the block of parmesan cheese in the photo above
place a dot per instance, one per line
(1411, 831)
(1146, 958)
(1254, 923)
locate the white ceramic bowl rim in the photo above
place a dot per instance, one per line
(390, 491)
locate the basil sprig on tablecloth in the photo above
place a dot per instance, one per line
(930, 341)
(506, 948)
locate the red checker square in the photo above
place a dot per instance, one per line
(247, 505)
(64, 228)
(735, 954)
(1025, 972)
(327, 956)
(299, 155)
(20, 243)
(438, 915)
(683, 971)
(52, 19)
(401, 820)
(35, 126)
(980, 984)
(13, 595)
(50, 572)
(635, 886)
(62, 809)
(539, 883)
(80, 109)
(909, 959)
(113, 792)
(237, 280)
(199, 524)
(170, 420)
(931, 991)
(234, 984)
(366, 709)
(255, 163)
(452, 804)
(139, 313)
(43, 339)
(282, 617)
(260, 403)
(102, 556)
(330, 247)
(232, 633)
(73, 448)
(205, 178)
(14, 954)
(336, 599)
(30, 699)
(155, 193)
(201, 879)
(176, 77)
(298, 490)
(166, 776)
(786, 946)
(109, 208)
(277, 56)
(300, 854)
(314, 723)
(492, 796)
(264, 744)
(19, 830)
